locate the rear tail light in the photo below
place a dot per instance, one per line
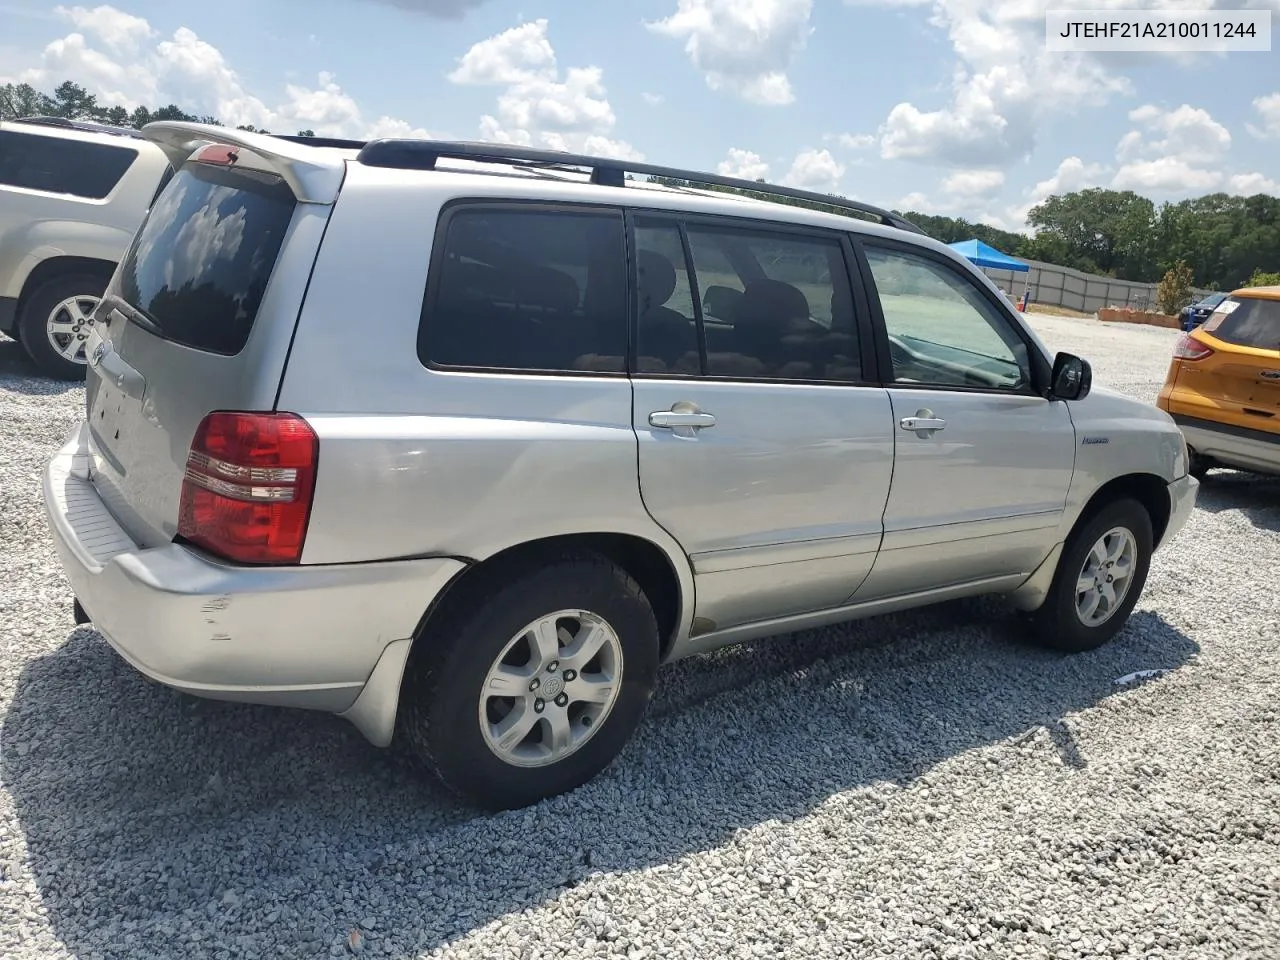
(1189, 348)
(247, 492)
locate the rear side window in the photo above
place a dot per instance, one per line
(58, 165)
(537, 289)
(1247, 322)
(199, 266)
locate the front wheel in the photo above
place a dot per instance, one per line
(1100, 577)
(532, 689)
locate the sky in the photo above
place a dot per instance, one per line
(941, 106)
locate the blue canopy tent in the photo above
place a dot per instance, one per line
(990, 258)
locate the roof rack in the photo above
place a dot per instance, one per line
(88, 126)
(605, 171)
(337, 142)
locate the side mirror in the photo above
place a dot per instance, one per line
(1072, 378)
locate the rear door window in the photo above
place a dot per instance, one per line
(60, 165)
(1247, 322)
(542, 290)
(199, 266)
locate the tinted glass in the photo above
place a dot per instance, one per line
(528, 290)
(942, 330)
(775, 306)
(667, 328)
(56, 165)
(1247, 322)
(201, 261)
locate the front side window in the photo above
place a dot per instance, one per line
(537, 290)
(772, 306)
(942, 330)
(78, 168)
(1247, 322)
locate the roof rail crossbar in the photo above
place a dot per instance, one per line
(605, 171)
(86, 126)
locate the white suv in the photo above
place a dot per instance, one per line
(469, 438)
(72, 194)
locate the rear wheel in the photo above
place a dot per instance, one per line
(1099, 579)
(534, 689)
(55, 323)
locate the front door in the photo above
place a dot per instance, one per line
(762, 448)
(983, 463)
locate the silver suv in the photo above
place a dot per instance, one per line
(72, 194)
(463, 441)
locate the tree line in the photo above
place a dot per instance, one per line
(71, 101)
(1225, 239)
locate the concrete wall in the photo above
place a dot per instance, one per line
(1063, 287)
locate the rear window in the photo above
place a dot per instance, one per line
(58, 165)
(1247, 322)
(199, 266)
(538, 290)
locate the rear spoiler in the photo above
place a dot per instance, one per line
(313, 173)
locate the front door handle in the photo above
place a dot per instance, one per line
(684, 419)
(924, 424)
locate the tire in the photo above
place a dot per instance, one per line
(1198, 464)
(441, 715)
(33, 323)
(1060, 623)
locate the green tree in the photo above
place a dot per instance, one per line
(1174, 291)
(22, 100)
(1260, 279)
(1109, 228)
(306, 133)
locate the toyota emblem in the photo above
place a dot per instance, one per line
(99, 352)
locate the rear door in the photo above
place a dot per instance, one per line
(197, 318)
(765, 450)
(1239, 383)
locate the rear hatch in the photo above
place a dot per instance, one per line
(198, 318)
(1238, 384)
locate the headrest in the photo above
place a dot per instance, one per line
(657, 279)
(546, 288)
(771, 304)
(721, 302)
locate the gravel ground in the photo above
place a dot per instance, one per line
(910, 786)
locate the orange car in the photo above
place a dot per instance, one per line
(1223, 386)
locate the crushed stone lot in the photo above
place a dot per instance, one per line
(919, 785)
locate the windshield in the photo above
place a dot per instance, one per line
(199, 266)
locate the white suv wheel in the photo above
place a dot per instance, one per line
(68, 327)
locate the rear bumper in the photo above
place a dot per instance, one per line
(306, 636)
(1230, 445)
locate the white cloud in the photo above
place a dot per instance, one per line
(538, 107)
(743, 46)
(973, 183)
(513, 56)
(1249, 184)
(856, 141)
(125, 65)
(1188, 133)
(1166, 176)
(652, 99)
(1005, 85)
(1072, 174)
(815, 170)
(1173, 153)
(118, 30)
(743, 164)
(1268, 110)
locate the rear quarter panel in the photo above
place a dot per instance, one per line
(418, 462)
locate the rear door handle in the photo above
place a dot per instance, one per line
(924, 424)
(672, 418)
(684, 419)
